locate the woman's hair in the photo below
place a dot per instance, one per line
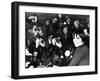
(80, 33)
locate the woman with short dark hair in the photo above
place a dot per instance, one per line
(81, 54)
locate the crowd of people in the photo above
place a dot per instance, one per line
(60, 41)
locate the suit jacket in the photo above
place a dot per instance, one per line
(81, 56)
(47, 30)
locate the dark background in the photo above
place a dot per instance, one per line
(43, 16)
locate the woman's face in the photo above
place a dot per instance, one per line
(77, 40)
(76, 24)
(65, 30)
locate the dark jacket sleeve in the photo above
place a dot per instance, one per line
(80, 51)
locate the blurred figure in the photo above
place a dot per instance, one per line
(32, 19)
(55, 24)
(34, 61)
(86, 32)
(31, 25)
(77, 26)
(66, 39)
(67, 20)
(37, 31)
(60, 19)
(81, 54)
(47, 29)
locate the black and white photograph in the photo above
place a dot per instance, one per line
(51, 40)
(56, 40)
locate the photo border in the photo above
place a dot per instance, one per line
(15, 39)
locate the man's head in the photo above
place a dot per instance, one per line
(59, 15)
(65, 30)
(33, 18)
(47, 21)
(54, 20)
(76, 23)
